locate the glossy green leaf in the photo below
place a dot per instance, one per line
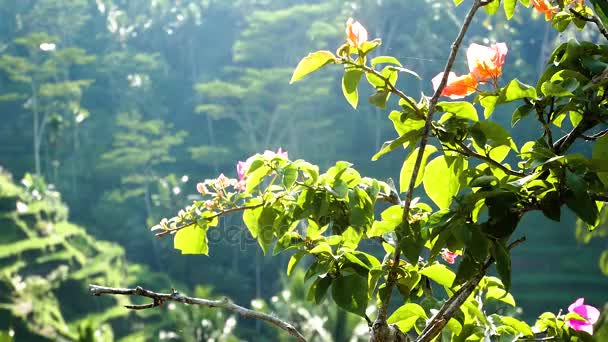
(350, 81)
(442, 181)
(293, 261)
(509, 7)
(462, 110)
(520, 113)
(350, 293)
(403, 140)
(580, 202)
(503, 263)
(318, 289)
(497, 293)
(492, 7)
(408, 167)
(604, 262)
(192, 240)
(516, 90)
(311, 63)
(520, 326)
(600, 151)
(406, 315)
(379, 98)
(385, 60)
(440, 274)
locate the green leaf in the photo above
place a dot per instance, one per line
(601, 10)
(379, 98)
(580, 202)
(313, 62)
(520, 113)
(497, 293)
(350, 293)
(550, 205)
(256, 177)
(293, 261)
(492, 7)
(604, 262)
(369, 46)
(410, 241)
(265, 227)
(442, 181)
(350, 81)
(385, 60)
(406, 316)
(600, 151)
(517, 90)
(403, 140)
(318, 289)
(463, 110)
(408, 167)
(509, 7)
(440, 274)
(503, 263)
(192, 240)
(518, 325)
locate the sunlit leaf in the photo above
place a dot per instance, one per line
(313, 62)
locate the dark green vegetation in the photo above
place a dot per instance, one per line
(136, 94)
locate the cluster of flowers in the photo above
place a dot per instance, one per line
(485, 64)
(218, 187)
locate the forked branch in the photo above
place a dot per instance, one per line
(226, 304)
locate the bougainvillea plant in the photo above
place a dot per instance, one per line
(478, 181)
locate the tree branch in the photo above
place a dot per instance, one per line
(564, 143)
(468, 152)
(160, 298)
(453, 304)
(380, 323)
(594, 19)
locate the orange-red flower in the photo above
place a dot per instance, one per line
(457, 86)
(543, 6)
(356, 34)
(485, 62)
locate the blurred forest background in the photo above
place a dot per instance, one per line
(115, 109)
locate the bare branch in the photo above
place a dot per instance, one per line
(226, 304)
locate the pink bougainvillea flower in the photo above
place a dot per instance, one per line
(457, 86)
(241, 169)
(202, 188)
(544, 7)
(222, 181)
(485, 62)
(278, 153)
(448, 256)
(588, 312)
(356, 34)
(241, 185)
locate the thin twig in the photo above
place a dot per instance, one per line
(160, 298)
(468, 152)
(594, 19)
(453, 304)
(392, 275)
(223, 212)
